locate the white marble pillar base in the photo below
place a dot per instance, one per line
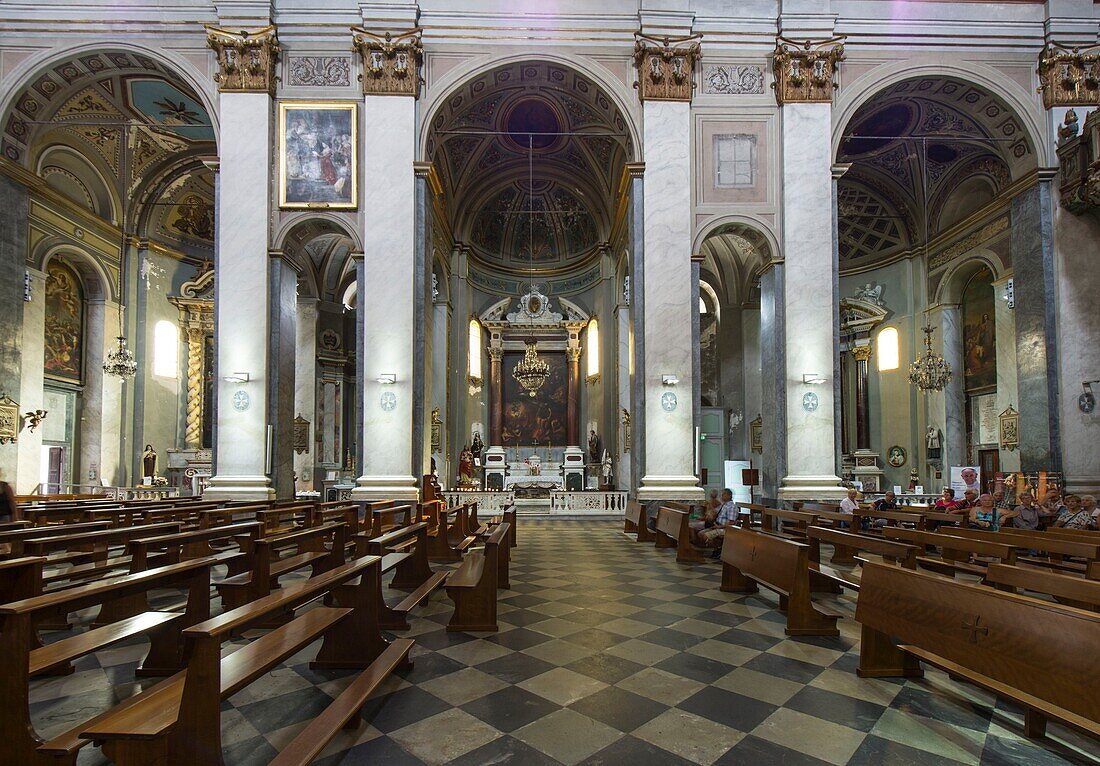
(670, 488)
(237, 488)
(825, 487)
(386, 488)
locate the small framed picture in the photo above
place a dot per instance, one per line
(318, 161)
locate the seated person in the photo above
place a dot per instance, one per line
(1000, 501)
(969, 500)
(1053, 503)
(1088, 503)
(1028, 515)
(1073, 516)
(727, 514)
(850, 504)
(706, 521)
(946, 503)
(888, 502)
(986, 515)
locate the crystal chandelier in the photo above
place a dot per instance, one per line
(120, 361)
(531, 372)
(930, 371)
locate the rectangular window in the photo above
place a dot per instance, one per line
(734, 160)
(166, 350)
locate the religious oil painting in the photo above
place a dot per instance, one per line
(538, 420)
(318, 166)
(979, 333)
(64, 331)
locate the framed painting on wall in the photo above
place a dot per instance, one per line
(318, 162)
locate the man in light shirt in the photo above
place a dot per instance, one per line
(727, 514)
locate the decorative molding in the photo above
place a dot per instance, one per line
(1069, 76)
(862, 353)
(319, 71)
(987, 232)
(301, 435)
(9, 420)
(805, 71)
(391, 65)
(1009, 429)
(1079, 161)
(666, 66)
(246, 59)
(733, 79)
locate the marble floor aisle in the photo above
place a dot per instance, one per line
(611, 653)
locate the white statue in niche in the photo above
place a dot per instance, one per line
(870, 292)
(605, 469)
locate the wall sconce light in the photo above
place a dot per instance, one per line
(387, 378)
(237, 377)
(1086, 402)
(813, 378)
(669, 380)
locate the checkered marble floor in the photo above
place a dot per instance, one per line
(609, 652)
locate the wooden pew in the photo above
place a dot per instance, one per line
(473, 586)
(20, 578)
(89, 553)
(955, 551)
(672, 531)
(392, 516)
(178, 722)
(319, 548)
(447, 541)
(22, 656)
(635, 521)
(773, 519)
(892, 518)
(287, 518)
(843, 555)
(508, 515)
(405, 551)
(752, 514)
(11, 541)
(750, 558)
(1036, 653)
(1066, 589)
(826, 579)
(1057, 549)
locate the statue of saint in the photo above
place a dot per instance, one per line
(466, 465)
(605, 469)
(477, 447)
(932, 438)
(593, 447)
(149, 461)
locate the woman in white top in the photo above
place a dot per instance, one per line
(850, 504)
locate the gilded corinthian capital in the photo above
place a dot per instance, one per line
(805, 71)
(666, 66)
(1069, 76)
(391, 64)
(246, 59)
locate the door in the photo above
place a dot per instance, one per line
(989, 460)
(712, 448)
(53, 470)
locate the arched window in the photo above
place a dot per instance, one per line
(475, 350)
(888, 350)
(166, 350)
(592, 348)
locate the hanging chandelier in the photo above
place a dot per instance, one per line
(120, 361)
(930, 371)
(531, 372)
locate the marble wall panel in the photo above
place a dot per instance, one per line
(13, 255)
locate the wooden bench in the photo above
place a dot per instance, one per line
(826, 579)
(1066, 589)
(635, 520)
(447, 541)
(319, 548)
(956, 553)
(20, 578)
(1058, 550)
(405, 551)
(22, 656)
(1036, 653)
(891, 518)
(750, 558)
(473, 586)
(11, 541)
(796, 521)
(89, 553)
(752, 514)
(178, 722)
(382, 520)
(672, 531)
(279, 521)
(508, 516)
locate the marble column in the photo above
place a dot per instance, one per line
(422, 300)
(1007, 396)
(634, 292)
(810, 311)
(1036, 335)
(305, 390)
(90, 448)
(862, 354)
(622, 361)
(242, 299)
(496, 397)
(387, 298)
(13, 259)
(30, 389)
(667, 318)
(112, 466)
(752, 377)
(947, 408)
(573, 397)
(773, 387)
(731, 355)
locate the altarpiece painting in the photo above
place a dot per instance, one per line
(64, 331)
(318, 166)
(539, 419)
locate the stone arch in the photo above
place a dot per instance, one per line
(601, 75)
(322, 269)
(97, 283)
(201, 83)
(1025, 106)
(83, 170)
(735, 270)
(954, 281)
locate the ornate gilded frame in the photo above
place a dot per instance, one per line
(286, 108)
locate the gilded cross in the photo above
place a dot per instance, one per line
(975, 629)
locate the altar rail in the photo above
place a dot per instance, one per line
(903, 500)
(609, 503)
(487, 502)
